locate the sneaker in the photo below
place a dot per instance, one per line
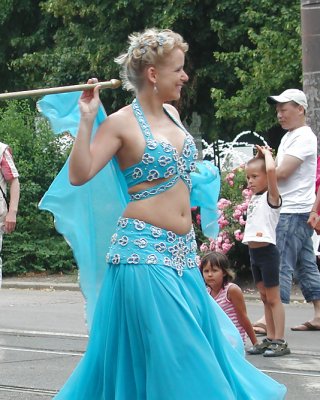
(277, 348)
(260, 348)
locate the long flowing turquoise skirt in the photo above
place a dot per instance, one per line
(160, 336)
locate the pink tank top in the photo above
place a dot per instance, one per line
(229, 309)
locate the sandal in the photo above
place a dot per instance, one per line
(260, 348)
(306, 326)
(259, 328)
(277, 348)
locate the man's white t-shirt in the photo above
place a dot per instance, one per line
(298, 190)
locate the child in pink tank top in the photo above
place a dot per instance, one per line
(217, 275)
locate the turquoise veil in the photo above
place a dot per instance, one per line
(85, 215)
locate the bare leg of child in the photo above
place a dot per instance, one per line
(268, 315)
(277, 311)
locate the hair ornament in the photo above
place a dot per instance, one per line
(160, 39)
(138, 49)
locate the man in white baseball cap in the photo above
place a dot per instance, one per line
(296, 173)
(294, 95)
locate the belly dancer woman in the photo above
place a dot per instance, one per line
(156, 334)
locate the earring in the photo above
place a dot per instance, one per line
(155, 89)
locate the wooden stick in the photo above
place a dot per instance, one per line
(112, 84)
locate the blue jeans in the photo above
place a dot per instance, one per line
(297, 257)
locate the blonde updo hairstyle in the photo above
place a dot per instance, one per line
(147, 48)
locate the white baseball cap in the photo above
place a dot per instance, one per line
(295, 95)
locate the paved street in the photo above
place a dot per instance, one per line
(43, 335)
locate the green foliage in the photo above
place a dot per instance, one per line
(233, 183)
(87, 35)
(265, 59)
(240, 51)
(35, 245)
(18, 20)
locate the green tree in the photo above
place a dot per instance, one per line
(265, 58)
(35, 245)
(88, 35)
(240, 51)
(23, 28)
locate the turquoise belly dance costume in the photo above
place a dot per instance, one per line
(136, 242)
(156, 333)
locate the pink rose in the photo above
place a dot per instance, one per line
(204, 248)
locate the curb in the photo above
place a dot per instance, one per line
(32, 285)
(293, 298)
(40, 285)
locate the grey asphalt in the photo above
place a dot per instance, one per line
(43, 336)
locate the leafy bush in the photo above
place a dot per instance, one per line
(35, 245)
(232, 206)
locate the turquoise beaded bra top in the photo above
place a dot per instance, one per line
(160, 160)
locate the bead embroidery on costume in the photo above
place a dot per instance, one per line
(162, 187)
(160, 160)
(137, 242)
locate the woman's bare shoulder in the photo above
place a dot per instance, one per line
(172, 110)
(118, 120)
(121, 114)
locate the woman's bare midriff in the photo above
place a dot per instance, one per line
(169, 210)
